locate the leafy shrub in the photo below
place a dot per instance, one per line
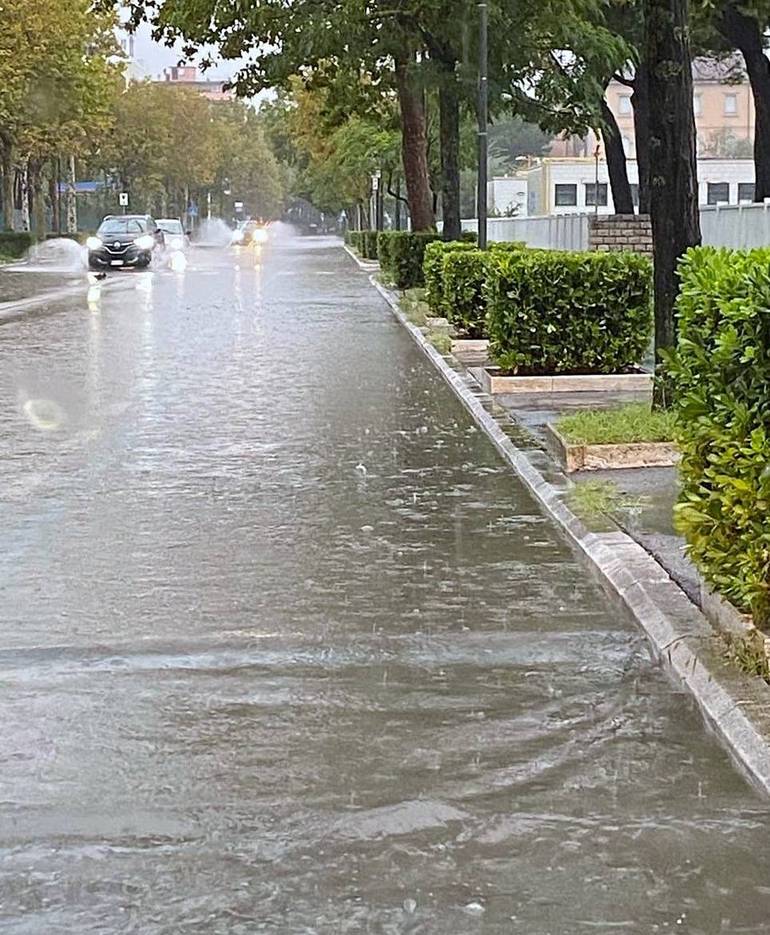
(15, 243)
(464, 274)
(405, 253)
(503, 245)
(432, 270)
(385, 253)
(354, 240)
(346, 237)
(552, 311)
(721, 380)
(369, 245)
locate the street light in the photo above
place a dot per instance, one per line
(483, 115)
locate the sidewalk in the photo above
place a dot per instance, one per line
(633, 552)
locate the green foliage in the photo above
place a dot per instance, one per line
(15, 243)
(405, 253)
(635, 422)
(721, 378)
(432, 268)
(748, 654)
(552, 311)
(463, 277)
(369, 244)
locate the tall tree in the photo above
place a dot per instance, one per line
(744, 26)
(673, 167)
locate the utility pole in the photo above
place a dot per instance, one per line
(483, 115)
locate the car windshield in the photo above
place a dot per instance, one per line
(123, 226)
(171, 227)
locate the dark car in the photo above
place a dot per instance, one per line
(124, 240)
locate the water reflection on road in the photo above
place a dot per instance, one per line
(284, 647)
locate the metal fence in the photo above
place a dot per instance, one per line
(554, 231)
(738, 226)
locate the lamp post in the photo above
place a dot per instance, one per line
(483, 115)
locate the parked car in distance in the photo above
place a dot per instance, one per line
(249, 232)
(176, 237)
(124, 240)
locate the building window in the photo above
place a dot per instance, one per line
(696, 105)
(565, 195)
(745, 191)
(624, 105)
(717, 193)
(731, 105)
(635, 194)
(591, 193)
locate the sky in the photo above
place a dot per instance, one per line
(154, 57)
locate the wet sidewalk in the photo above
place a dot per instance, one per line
(286, 647)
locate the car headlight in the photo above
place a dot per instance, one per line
(237, 236)
(260, 235)
(146, 242)
(93, 243)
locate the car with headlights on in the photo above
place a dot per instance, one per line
(249, 232)
(176, 237)
(124, 240)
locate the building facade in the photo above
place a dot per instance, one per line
(569, 186)
(186, 76)
(722, 102)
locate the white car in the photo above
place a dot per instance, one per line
(174, 234)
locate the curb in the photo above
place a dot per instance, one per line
(372, 266)
(734, 706)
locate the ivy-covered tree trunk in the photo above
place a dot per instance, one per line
(414, 148)
(673, 168)
(449, 133)
(9, 174)
(616, 162)
(743, 32)
(37, 206)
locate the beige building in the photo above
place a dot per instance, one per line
(724, 113)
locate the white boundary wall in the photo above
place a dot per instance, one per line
(737, 226)
(554, 231)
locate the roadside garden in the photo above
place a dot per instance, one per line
(560, 339)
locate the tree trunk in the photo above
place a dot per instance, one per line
(71, 205)
(449, 135)
(616, 162)
(22, 177)
(744, 32)
(414, 148)
(53, 194)
(640, 101)
(6, 155)
(35, 185)
(673, 167)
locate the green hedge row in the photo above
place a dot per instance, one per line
(15, 243)
(401, 255)
(364, 242)
(553, 311)
(721, 380)
(454, 284)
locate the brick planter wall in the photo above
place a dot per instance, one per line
(610, 232)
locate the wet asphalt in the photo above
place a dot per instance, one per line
(285, 647)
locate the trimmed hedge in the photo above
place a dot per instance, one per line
(402, 254)
(369, 244)
(433, 270)
(464, 276)
(720, 375)
(15, 243)
(553, 311)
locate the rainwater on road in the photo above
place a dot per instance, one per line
(285, 647)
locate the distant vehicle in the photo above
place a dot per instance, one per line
(124, 240)
(176, 237)
(250, 232)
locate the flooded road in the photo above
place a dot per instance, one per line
(284, 647)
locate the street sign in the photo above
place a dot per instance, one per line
(239, 206)
(375, 182)
(123, 199)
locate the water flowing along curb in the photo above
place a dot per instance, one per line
(736, 707)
